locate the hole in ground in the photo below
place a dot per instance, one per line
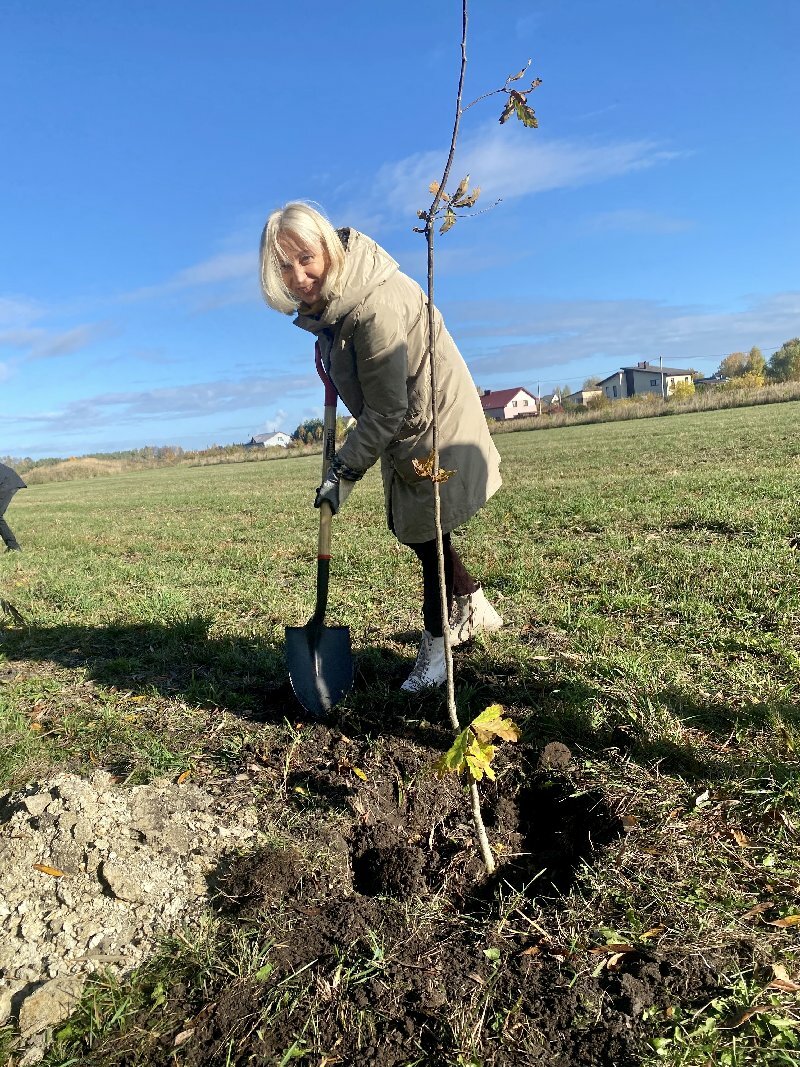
(558, 830)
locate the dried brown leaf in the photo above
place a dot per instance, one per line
(654, 931)
(615, 947)
(786, 922)
(45, 868)
(784, 985)
(741, 1019)
(516, 77)
(782, 979)
(758, 909)
(424, 468)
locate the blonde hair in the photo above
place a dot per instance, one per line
(312, 230)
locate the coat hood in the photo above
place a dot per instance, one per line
(366, 267)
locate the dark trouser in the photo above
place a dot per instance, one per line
(457, 579)
(5, 530)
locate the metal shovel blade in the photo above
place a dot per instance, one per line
(320, 665)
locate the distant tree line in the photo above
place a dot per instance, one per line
(310, 431)
(750, 368)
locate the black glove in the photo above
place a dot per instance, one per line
(337, 485)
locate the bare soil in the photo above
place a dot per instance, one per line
(390, 946)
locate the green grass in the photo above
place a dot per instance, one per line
(649, 581)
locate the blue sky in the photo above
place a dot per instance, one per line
(653, 213)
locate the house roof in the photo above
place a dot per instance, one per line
(646, 368)
(259, 438)
(498, 398)
(649, 368)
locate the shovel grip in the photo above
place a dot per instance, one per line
(325, 510)
(323, 560)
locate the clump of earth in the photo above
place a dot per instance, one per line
(92, 875)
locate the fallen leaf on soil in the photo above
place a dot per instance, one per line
(629, 822)
(613, 962)
(740, 1020)
(702, 799)
(654, 931)
(360, 774)
(758, 909)
(54, 872)
(36, 726)
(617, 949)
(786, 921)
(182, 1038)
(183, 776)
(532, 951)
(740, 838)
(782, 979)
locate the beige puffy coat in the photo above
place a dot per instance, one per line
(373, 333)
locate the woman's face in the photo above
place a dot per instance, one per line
(303, 267)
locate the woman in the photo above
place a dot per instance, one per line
(371, 323)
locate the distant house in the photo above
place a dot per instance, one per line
(277, 439)
(711, 381)
(642, 380)
(581, 397)
(508, 403)
(550, 403)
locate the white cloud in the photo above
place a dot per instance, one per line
(225, 267)
(500, 338)
(67, 342)
(22, 338)
(28, 339)
(200, 399)
(224, 273)
(636, 221)
(18, 311)
(507, 162)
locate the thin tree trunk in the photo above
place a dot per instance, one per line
(480, 829)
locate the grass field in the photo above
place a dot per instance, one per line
(648, 575)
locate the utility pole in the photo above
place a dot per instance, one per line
(661, 368)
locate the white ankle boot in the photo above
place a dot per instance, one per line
(472, 613)
(429, 670)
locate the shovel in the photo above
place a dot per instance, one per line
(319, 658)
